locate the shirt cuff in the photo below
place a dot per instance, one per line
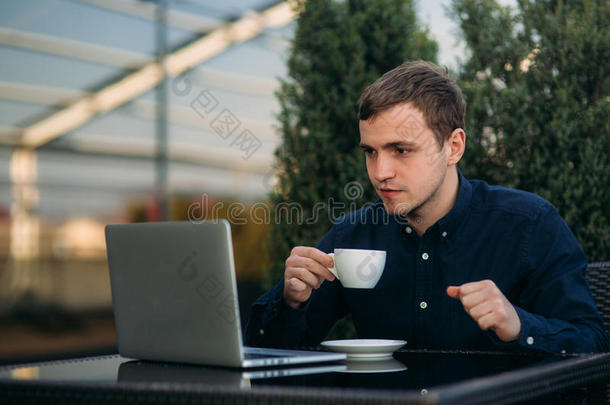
(534, 333)
(286, 313)
(277, 309)
(530, 336)
(525, 339)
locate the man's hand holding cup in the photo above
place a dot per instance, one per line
(306, 270)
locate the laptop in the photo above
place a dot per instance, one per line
(174, 297)
(147, 371)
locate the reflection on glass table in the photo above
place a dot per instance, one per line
(407, 370)
(445, 377)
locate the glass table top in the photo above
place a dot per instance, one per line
(409, 370)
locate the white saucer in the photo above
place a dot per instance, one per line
(365, 349)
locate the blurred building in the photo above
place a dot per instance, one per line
(83, 123)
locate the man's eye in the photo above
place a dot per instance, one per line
(402, 151)
(368, 151)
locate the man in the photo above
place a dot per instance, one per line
(469, 266)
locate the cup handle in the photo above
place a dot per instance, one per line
(333, 269)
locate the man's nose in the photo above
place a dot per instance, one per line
(384, 169)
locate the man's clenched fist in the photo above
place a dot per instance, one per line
(486, 304)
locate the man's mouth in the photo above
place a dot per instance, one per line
(389, 192)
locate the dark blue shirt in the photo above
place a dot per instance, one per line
(514, 238)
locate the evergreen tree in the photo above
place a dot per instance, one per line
(538, 93)
(339, 48)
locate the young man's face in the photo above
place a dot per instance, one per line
(404, 161)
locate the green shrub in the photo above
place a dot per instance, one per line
(537, 89)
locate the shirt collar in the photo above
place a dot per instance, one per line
(450, 222)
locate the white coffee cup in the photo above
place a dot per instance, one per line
(358, 268)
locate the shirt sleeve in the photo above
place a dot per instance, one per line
(273, 323)
(556, 308)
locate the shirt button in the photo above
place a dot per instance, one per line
(423, 305)
(261, 332)
(408, 230)
(425, 256)
(444, 234)
(530, 340)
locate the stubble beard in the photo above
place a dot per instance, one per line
(401, 209)
(413, 212)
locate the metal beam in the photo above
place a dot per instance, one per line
(161, 124)
(149, 76)
(72, 49)
(110, 56)
(182, 152)
(202, 155)
(43, 95)
(146, 11)
(142, 108)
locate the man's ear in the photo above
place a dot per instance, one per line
(456, 144)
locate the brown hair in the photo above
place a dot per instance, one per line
(427, 87)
